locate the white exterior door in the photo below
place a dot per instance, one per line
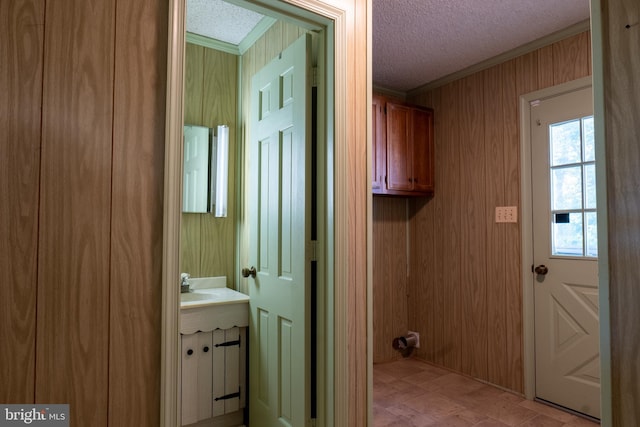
(565, 252)
(279, 202)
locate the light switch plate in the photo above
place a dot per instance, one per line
(506, 214)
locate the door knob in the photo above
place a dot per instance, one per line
(246, 272)
(541, 269)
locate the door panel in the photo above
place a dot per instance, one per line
(566, 297)
(279, 235)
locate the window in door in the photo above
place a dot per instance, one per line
(573, 189)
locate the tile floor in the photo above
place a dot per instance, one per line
(409, 393)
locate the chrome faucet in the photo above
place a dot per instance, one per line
(184, 283)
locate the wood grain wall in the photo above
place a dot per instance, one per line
(21, 51)
(82, 161)
(390, 282)
(211, 94)
(464, 287)
(621, 42)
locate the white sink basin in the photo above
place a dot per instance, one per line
(211, 296)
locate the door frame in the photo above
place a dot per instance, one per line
(527, 241)
(346, 117)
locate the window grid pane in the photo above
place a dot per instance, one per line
(573, 191)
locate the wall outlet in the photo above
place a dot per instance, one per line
(506, 214)
(417, 335)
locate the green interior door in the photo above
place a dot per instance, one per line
(279, 200)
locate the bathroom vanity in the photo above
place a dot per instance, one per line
(213, 332)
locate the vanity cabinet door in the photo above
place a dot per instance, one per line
(189, 378)
(205, 377)
(213, 373)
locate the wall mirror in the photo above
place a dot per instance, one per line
(206, 167)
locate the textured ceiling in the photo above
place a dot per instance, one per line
(220, 21)
(419, 41)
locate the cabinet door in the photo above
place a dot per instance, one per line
(422, 141)
(205, 365)
(378, 145)
(398, 151)
(189, 378)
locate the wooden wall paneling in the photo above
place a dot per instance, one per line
(473, 271)
(275, 39)
(621, 66)
(526, 73)
(190, 225)
(290, 33)
(219, 106)
(137, 213)
(545, 66)
(190, 242)
(571, 58)
(75, 213)
(449, 228)
(442, 114)
(193, 83)
(421, 280)
(421, 252)
(432, 301)
(21, 47)
(390, 275)
(420, 286)
(494, 116)
(512, 274)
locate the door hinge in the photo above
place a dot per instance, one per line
(313, 422)
(235, 395)
(313, 250)
(314, 77)
(229, 343)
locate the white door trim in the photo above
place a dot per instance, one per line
(527, 223)
(334, 17)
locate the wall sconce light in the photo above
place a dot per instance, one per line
(221, 172)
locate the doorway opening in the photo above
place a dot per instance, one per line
(321, 24)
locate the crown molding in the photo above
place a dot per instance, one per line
(389, 92)
(212, 43)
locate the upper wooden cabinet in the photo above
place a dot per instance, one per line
(402, 148)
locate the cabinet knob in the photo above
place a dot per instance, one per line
(205, 349)
(190, 352)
